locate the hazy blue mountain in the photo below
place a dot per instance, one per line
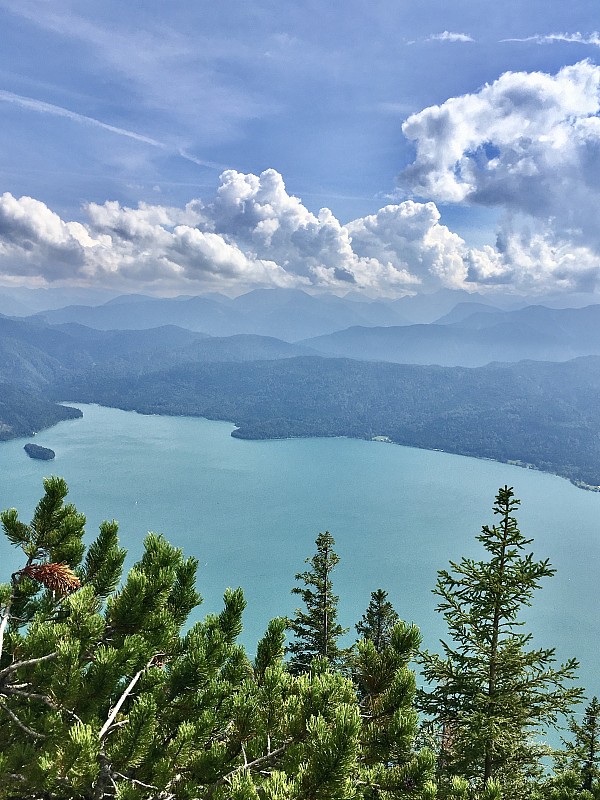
(196, 314)
(242, 347)
(463, 310)
(129, 298)
(26, 301)
(32, 352)
(288, 314)
(26, 366)
(533, 332)
(576, 325)
(107, 344)
(13, 307)
(424, 308)
(32, 335)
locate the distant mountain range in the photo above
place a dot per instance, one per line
(34, 354)
(288, 314)
(21, 301)
(471, 340)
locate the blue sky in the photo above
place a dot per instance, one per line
(117, 104)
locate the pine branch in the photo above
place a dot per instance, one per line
(20, 724)
(30, 662)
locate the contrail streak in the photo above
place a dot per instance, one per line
(41, 107)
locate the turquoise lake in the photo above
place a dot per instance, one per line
(250, 512)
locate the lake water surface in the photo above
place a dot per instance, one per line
(250, 512)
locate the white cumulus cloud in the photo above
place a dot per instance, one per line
(519, 141)
(253, 233)
(528, 143)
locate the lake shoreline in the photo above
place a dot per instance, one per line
(380, 439)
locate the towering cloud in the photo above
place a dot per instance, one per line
(528, 143)
(252, 234)
(520, 141)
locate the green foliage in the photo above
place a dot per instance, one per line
(490, 689)
(378, 620)
(107, 690)
(104, 560)
(577, 770)
(315, 628)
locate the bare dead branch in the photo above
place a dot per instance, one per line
(125, 695)
(136, 782)
(20, 724)
(4, 623)
(258, 762)
(30, 662)
(42, 698)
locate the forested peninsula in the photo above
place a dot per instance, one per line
(538, 414)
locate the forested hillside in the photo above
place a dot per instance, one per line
(541, 414)
(23, 413)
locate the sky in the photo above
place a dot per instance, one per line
(379, 147)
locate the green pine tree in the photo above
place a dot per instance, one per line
(490, 690)
(392, 767)
(378, 621)
(315, 627)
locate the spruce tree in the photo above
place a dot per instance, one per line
(315, 627)
(490, 690)
(378, 621)
(587, 745)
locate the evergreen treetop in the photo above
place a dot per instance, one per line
(106, 693)
(491, 690)
(109, 690)
(315, 628)
(378, 621)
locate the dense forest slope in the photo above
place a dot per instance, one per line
(23, 414)
(542, 414)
